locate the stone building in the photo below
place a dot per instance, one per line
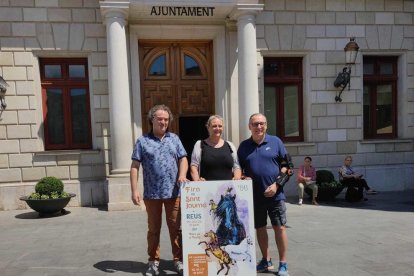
(82, 75)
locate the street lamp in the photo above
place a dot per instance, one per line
(343, 78)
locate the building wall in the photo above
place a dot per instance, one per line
(318, 31)
(31, 29)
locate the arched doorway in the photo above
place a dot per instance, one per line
(178, 74)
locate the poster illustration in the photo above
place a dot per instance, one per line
(218, 228)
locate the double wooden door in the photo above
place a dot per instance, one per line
(178, 74)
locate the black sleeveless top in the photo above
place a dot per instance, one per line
(216, 163)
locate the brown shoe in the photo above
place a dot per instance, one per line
(314, 202)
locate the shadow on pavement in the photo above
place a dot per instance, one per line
(98, 207)
(166, 267)
(383, 201)
(36, 215)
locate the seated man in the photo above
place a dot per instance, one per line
(353, 180)
(307, 177)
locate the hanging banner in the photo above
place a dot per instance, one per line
(218, 228)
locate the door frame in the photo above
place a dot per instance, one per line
(179, 32)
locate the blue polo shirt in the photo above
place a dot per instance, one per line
(260, 163)
(159, 160)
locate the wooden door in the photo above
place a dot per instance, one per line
(179, 75)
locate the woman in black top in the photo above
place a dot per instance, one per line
(213, 158)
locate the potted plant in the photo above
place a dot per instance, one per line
(328, 187)
(49, 196)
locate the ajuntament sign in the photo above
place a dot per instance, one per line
(182, 11)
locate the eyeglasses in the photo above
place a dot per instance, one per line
(256, 124)
(348, 159)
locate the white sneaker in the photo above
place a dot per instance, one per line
(178, 267)
(153, 268)
(300, 201)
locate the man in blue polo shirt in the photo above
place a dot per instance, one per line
(165, 166)
(260, 158)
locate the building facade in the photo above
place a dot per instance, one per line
(82, 75)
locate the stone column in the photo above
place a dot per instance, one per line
(115, 16)
(119, 92)
(247, 64)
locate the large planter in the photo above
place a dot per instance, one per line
(48, 206)
(328, 188)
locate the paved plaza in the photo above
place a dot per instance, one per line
(334, 239)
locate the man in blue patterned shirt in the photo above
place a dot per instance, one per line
(165, 166)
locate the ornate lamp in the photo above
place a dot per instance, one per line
(343, 78)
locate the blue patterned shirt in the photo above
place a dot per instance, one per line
(159, 160)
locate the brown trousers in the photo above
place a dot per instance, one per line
(173, 218)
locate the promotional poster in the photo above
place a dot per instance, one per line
(218, 228)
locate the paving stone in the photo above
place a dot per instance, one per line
(334, 238)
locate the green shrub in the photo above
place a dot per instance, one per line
(330, 185)
(48, 185)
(34, 196)
(328, 188)
(49, 188)
(324, 176)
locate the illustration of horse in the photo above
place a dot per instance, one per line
(240, 252)
(230, 229)
(222, 256)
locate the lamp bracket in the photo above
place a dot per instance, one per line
(3, 89)
(342, 80)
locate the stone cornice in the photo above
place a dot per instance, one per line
(115, 9)
(245, 9)
(231, 25)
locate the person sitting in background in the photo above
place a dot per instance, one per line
(350, 178)
(307, 177)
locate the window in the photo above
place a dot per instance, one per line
(283, 100)
(66, 109)
(191, 66)
(158, 67)
(380, 97)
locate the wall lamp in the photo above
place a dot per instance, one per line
(343, 78)
(3, 89)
